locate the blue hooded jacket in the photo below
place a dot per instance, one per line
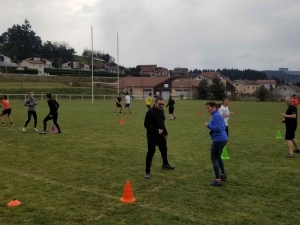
(217, 127)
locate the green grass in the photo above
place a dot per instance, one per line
(78, 177)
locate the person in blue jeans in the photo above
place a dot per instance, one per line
(219, 138)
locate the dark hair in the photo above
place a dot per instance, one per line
(219, 105)
(212, 104)
(5, 97)
(224, 99)
(294, 95)
(48, 95)
(158, 99)
(150, 93)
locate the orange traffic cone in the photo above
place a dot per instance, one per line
(14, 203)
(200, 113)
(121, 121)
(299, 125)
(127, 196)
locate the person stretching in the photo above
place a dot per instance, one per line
(53, 114)
(7, 110)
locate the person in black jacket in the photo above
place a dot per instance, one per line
(157, 135)
(171, 104)
(53, 114)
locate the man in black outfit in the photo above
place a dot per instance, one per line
(118, 104)
(171, 104)
(290, 120)
(53, 114)
(157, 135)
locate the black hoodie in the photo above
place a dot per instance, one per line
(155, 120)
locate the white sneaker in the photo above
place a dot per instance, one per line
(35, 129)
(24, 129)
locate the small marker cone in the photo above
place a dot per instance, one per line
(299, 125)
(224, 153)
(121, 121)
(53, 128)
(278, 134)
(200, 113)
(13, 203)
(127, 196)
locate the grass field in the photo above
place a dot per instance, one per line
(78, 177)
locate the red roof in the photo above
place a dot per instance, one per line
(34, 61)
(139, 82)
(266, 81)
(189, 82)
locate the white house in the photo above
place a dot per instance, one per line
(75, 64)
(5, 59)
(269, 84)
(286, 90)
(47, 63)
(34, 64)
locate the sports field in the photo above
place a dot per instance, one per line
(78, 177)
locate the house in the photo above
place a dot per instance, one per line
(269, 84)
(209, 77)
(161, 71)
(230, 89)
(34, 64)
(75, 64)
(286, 91)
(184, 86)
(246, 86)
(4, 59)
(47, 63)
(110, 68)
(140, 87)
(180, 72)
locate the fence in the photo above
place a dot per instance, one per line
(73, 97)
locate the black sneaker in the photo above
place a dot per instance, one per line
(216, 183)
(297, 150)
(168, 167)
(223, 177)
(290, 156)
(59, 132)
(43, 132)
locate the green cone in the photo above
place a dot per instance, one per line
(278, 134)
(224, 153)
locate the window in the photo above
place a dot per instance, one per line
(166, 85)
(253, 88)
(236, 84)
(248, 87)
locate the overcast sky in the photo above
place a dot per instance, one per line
(203, 34)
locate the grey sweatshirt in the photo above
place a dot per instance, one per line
(30, 107)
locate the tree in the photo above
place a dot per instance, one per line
(262, 93)
(203, 89)
(20, 42)
(217, 89)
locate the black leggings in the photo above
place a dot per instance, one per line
(33, 113)
(54, 117)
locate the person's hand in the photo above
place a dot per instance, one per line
(166, 137)
(283, 115)
(205, 124)
(282, 121)
(160, 131)
(50, 115)
(231, 113)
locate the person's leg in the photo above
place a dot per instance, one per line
(162, 145)
(120, 109)
(291, 146)
(45, 121)
(227, 131)
(214, 159)
(55, 117)
(220, 147)
(1, 114)
(151, 151)
(289, 136)
(35, 118)
(295, 143)
(129, 109)
(28, 119)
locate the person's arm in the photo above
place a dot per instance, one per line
(27, 103)
(214, 124)
(293, 116)
(168, 103)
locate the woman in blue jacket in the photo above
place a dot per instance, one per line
(219, 138)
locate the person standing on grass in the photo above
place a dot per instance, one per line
(7, 109)
(157, 135)
(53, 114)
(118, 104)
(219, 138)
(31, 103)
(224, 111)
(290, 120)
(149, 101)
(171, 104)
(127, 102)
(295, 100)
